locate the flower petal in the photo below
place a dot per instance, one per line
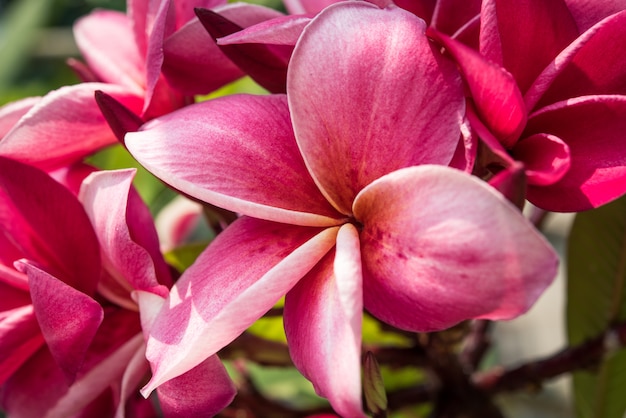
(323, 315)
(593, 128)
(356, 80)
(194, 70)
(546, 158)
(589, 12)
(238, 278)
(547, 28)
(283, 30)
(20, 338)
(203, 391)
(65, 126)
(594, 64)
(67, 317)
(11, 113)
(494, 91)
(440, 246)
(48, 225)
(125, 230)
(105, 39)
(238, 153)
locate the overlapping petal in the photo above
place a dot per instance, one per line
(589, 12)
(354, 130)
(207, 308)
(547, 28)
(545, 157)
(593, 64)
(593, 128)
(431, 268)
(48, 225)
(65, 126)
(323, 314)
(239, 154)
(125, 230)
(20, 338)
(67, 317)
(11, 113)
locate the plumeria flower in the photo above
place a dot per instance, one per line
(554, 98)
(71, 337)
(153, 59)
(347, 203)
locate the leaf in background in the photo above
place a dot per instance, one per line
(596, 299)
(18, 34)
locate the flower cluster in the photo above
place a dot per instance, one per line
(383, 171)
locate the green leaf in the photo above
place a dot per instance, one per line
(596, 299)
(182, 257)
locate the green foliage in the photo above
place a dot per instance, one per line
(19, 26)
(182, 257)
(596, 299)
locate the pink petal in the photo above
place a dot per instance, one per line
(254, 166)
(356, 78)
(48, 225)
(136, 371)
(451, 249)
(323, 314)
(591, 65)
(105, 39)
(194, 70)
(266, 64)
(547, 28)
(450, 15)
(588, 12)
(545, 157)
(494, 91)
(593, 128)
(106, 373)
(511, 182)
(20, 338)
(283, 30)
(295, 7)
(125, 230)
(238, 278)
(11, 113)
(68, 318)
(65, 126)
(185, 12)
(119, 118)
(203, 391)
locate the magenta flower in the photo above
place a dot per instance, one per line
(348, 203)
(560, 106)
(64, 349)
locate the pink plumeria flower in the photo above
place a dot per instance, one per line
(348, 203)
(554, 98)
(65, 350)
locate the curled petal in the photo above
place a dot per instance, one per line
(545, 157)
(440, 246)
(65, 126)
(593, 128)
(498, 100)
(238, 278)
(323, 314)
(356, 80)
(68, 318)
(125, 230)
(239, 154)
